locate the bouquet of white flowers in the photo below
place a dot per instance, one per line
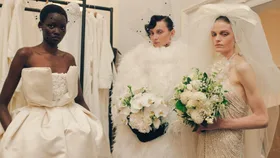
(199, 99)
(143, 111)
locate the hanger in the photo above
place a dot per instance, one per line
(95, 12)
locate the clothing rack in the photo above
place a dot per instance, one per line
(84, 5)
(27, 9)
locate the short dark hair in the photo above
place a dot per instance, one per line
(156, 18)
(51, 8)
(223, 18)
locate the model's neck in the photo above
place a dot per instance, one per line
(49, 48)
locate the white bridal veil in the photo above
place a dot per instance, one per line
(252, 44)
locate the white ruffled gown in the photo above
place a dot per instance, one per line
(52, 125)
(160, 69)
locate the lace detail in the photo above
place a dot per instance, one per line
(59, 85)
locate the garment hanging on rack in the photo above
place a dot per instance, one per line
(24, 30)
(97, 69)
(21, 35)
(91, 93)
(105, 71)
(71, 42)
(15, 40)
(90, 90)
(6, 17)
(106, 54)
(10, 28)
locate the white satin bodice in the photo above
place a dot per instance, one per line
(47, 88)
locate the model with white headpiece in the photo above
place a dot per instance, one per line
(159, 66)
(245, 64)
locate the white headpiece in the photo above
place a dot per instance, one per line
(250, 39)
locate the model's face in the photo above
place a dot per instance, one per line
(160, 35)
(222, 37)
(54, 28)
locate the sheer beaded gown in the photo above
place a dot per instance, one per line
(225, 143)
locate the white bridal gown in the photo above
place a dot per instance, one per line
(52, 125)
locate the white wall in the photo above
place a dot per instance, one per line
(99, 2)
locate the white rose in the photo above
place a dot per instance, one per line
(185, 97)
(139, 122)
(144, 128)
(135, 120)
(208, 104)
(197, 118)
(200, 96)
(196, 84)
(189, 87)
(192, 103)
